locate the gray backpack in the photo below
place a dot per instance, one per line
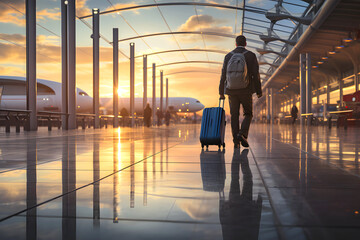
(236, 72)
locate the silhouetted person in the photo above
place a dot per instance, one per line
(125, 115)
(239, 80)
(167, 117)
(159, 116)
(147, 115)
(294, 113)
(240, 215)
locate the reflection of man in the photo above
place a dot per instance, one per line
(240, 215)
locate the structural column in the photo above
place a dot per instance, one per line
(64, 65)
(145, 81)
(341, 90)
(153, 92)
(116, 76)
(167, 94)
(268, 105)
(271, 96)
(302, 79)
(308, 84)
(161, 90)
(71, 20)
(357, 76)
(96, 66)
(31, 88)
(132, 83)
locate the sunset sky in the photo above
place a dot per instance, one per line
(201, 85)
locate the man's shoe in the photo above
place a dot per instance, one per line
(243, 140)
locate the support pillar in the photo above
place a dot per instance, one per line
(341, 90)
(268, 105)
(271, 98)
(145, 81)
(161, 90)
(356, 77)
(318, 96)
(153, 92)
(302, 84)
(64, 66)
(96, 66)
(132, 83)
(116, 76)
(71, 20)
(167, 94)
(31, 88)
(308, 84)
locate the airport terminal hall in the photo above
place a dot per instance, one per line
(179, 119)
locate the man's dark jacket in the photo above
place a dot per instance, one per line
(253, 74)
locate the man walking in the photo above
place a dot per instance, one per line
(294, 113)
(239, 80)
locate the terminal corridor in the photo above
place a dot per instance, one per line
(158, 183)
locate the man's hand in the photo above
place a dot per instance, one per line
(222, 96)
(259, 95)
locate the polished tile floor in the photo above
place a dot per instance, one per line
(292, 183)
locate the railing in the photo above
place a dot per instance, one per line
(85, 119)
(19, 117)
(51, 117)
(342, 118)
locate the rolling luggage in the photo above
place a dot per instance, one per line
(213, 126)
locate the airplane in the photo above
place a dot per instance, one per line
(48, 95)
(176, 104)
(13, 96)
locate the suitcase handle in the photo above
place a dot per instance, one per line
(223, 101)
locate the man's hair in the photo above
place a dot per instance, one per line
(241, 40)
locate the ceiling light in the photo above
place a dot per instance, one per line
(320, 62)
(315, 66)
(339, 47)
(324, 58)
(332, 52)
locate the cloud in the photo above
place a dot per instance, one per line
(81, 8)
(53, 14)
(257, 2)
(14, 12)
(204, 23)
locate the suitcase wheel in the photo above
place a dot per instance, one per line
(202, 146)
(223, 145)
(219, 146)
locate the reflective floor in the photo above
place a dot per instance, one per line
(292, 183)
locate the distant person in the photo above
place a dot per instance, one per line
(240, 215)
(294, 113)
(167, 117)
(239, 80)
(147, 115)
(125, 115)
(159, 116)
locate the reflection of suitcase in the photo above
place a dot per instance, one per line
(213, 171)
(213, 126)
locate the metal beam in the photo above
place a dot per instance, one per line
(185, 62)
(71, 20)
(177, 33)
(179, 4)
(132, 83)
(145, 81)
(31, 88)
(185, 50)
(64, 65)
(116, 77)
(96, 66)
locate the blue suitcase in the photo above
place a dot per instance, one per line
(213, 126)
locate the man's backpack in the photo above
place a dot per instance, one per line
(236, 72)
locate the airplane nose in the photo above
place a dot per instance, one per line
(201, 106)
